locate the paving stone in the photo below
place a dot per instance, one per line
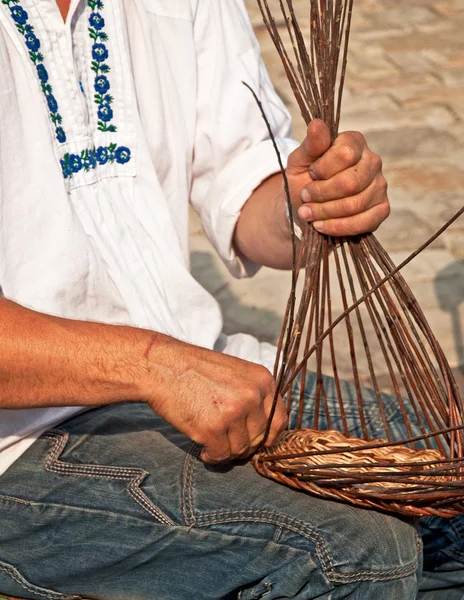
(420, 83)
(403, 230)
(454, 240)
(453, 77)
(431, 177)
(450, 8)
(411, 63)
(440, 117)
(371, 67)
(395, 16)
(405, 142)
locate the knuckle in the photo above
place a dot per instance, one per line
(357, 137)
(350, 184)
(213, 455)
(316, 193)
(347, 154)
(351, 206)
(385, 211)
(377, 162)
(232, 413)
(219, 458)
(265, 378)
(358, 225)
(320, 213)
(250, 390)
(241, 450)
(215, 430)
(383, 185)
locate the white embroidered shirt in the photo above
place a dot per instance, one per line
(110, 124)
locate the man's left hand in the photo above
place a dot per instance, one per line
(340, 188)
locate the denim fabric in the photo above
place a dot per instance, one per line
(443, 577)
(115, 504)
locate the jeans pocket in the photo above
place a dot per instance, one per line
(15, 583)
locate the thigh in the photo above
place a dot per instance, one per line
(116, 505)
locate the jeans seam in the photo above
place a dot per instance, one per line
(300, 528)
(134, 476)
(17, 500)
(29, 587)
(187, 495)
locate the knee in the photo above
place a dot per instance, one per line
(381, 558)
(370, 546)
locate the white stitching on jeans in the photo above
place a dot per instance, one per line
(17, 500)
(133, 475)
(321, 548)
(322, 552)
(187, 495)
(16, 575)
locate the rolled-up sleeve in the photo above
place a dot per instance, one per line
(233, 153)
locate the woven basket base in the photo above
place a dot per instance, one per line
(391, 478)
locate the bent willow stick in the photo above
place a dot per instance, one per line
(383, 418)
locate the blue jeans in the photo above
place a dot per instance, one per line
(115, 504)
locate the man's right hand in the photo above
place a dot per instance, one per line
(219, 401)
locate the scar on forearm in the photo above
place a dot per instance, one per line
(150, 345)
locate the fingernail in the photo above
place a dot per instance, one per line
(312, 174)
(305, 195)
(319, 225)
(305, 213)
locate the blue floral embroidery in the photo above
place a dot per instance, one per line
(32, 42)
(20, 18)
(122, 155)
(102, 154)
(99, 67)
(88, 159)
(96, 21)
(60, 135)
(18, 13)
(42, 73)
(91, 158)
(102, 85)
(105, 112)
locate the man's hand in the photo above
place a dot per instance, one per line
(339, 188)
(219, 401)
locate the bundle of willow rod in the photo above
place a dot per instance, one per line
(401, 451)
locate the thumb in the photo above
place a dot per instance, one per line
(316, 143)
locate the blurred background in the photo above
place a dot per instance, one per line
(405, 92)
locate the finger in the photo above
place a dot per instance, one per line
(349, 182)
(345, 152)
(279, 422)
(345, 207)
(218, 451)
(239, 440)
(256, 426)
(366, 222)
(316, 142)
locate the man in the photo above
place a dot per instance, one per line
(122, 404)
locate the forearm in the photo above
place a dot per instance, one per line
(219, 401)
(48, 361)
(262, 233)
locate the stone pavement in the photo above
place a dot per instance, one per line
(405, 92)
